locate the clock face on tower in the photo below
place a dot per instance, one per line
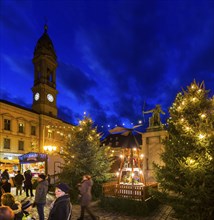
(36, 96)
(50, 98)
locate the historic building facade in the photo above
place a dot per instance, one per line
(36, 130)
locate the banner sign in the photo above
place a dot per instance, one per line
(32, 158)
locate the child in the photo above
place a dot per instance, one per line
(26, 208)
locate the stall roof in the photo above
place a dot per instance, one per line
(32, 157)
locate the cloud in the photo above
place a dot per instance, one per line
(75, 80)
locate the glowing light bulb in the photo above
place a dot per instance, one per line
(203, 116)
(201, 136)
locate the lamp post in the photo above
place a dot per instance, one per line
(49, 149)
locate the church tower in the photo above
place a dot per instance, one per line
(44, 88)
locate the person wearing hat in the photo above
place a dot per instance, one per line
(26, 208)
(40, 195)
(61, 208)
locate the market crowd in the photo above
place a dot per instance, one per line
(11, 209)
(60, 208)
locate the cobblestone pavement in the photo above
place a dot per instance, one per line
(163, 213)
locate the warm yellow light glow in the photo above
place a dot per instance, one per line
(187, 128)
(203, 116)
(191, 161)
(142, 155)
(132, 175)
(194, 99)
(49, 148)
(201, 136)
(121, 156)
(210, 158)
(134, 149)
(117, 174)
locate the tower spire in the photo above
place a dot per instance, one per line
(46, 28)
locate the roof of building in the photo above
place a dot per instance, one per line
(44, 45)
(118, 140)
(30, 110)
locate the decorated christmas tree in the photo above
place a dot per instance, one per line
(187, 176)
(85, 155)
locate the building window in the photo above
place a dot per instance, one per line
(33, 130)
(49, 134)
(21, 145)
(6, 143)
(21, 128)
(7, 124)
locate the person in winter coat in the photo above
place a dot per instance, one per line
(19, 178)
(5, 174)
(6, 186)
(40, 195)
(86, 197)
(28, 183)
(61, 208)
(8, 199)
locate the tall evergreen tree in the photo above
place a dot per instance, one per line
(187, 176)
(85, 155)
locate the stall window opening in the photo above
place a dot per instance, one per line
(6, 143)
(7, 124)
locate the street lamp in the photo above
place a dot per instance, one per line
(49, 148)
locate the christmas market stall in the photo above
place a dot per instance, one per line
(35, 162)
